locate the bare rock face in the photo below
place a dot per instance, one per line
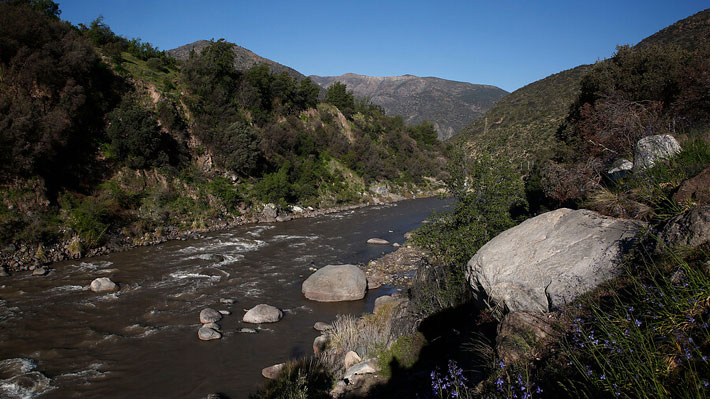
(550, 259)
(209, 315)
(690, 229)
(103, 284)
(652, 149)
(335, 283)
(272, 372)
(263, 313)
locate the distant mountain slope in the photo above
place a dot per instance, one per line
(690, 33)
(522, 125)
(243, 58)
(449, 105)
(524, 122)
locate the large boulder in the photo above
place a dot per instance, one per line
(208, 334)
(550, 259)
(272, 372)
(690, 229)
(335, 283)
(652, 149)
(263, 313)
(103, 284)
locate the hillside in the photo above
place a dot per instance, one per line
(243, 58)
(153, 149)
(689, 33)
(448, 104)
(523, 123)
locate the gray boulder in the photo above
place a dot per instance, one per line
(103, 284)
(320, 344)
(620, 168)
(208, 334)
(652, 149)
(366, 367)
(40, 271)
(378, 241)
(209, 315)
(262, 313)
(270, 212)
(550, 259)
(335, 283)
(690, 229)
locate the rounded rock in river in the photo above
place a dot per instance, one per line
(103, 284)
(208, 334)
(209, 315)
(262, 313)
(335, 283)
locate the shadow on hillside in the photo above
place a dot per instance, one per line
(449, 334)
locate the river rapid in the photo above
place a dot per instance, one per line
(60, 340)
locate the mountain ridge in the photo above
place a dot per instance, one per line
(449, 105)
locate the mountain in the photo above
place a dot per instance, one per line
(522, 125)
(243, 58)
(524, 122)
(448, 104)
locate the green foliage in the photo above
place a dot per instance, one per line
(225, 191)
(402, 354)
(52, 102)
(488, 190)
(89, 217)
(338, 95)
(649, 340)
(424, 133)
(135, 136)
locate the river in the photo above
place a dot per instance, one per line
(60, 340)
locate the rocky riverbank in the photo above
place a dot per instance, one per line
(20, 257)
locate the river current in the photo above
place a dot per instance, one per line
(60, 340)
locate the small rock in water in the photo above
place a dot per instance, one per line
(216, 396)
(213, 326)
(103, 284)
(378, 241)
(321, 326)
(246, 330)
(226, 301)
(209, 315)
(208, 334)
(3, 272)
(262, 313)
(313, 269)
(272, 372)
(225, 312)
(40, 271)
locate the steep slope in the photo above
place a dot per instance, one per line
(243, 58)
(690, 33)
(523, 123)
(449, 105)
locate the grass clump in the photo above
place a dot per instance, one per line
(299, 379)
(402, 354)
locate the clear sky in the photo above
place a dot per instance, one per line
(499, 42)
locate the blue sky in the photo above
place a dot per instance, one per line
(503, 43)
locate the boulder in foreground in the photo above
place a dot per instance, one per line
(549, 260)
(335, 283)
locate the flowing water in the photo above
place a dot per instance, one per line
(60, 340)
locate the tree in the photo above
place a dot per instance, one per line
(135, 136)
(338, 95)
